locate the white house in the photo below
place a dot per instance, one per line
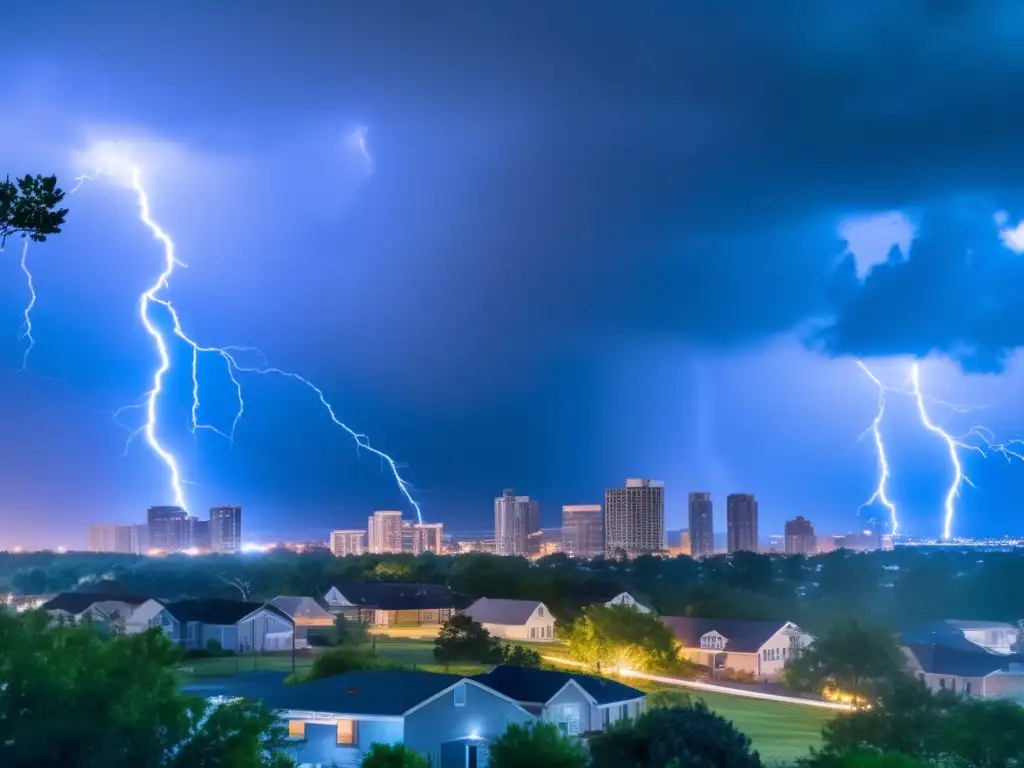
(757, 648)
(626, 599)
(305, 614)
(99, 607)
(514, 619)
(235, 626)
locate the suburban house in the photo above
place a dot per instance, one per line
(391, 604)
(236, 626)
(514, 619)
(94, 606)
(626, 599)
(305, 613)
(333, 721)
(980, 659)
(757, 648)
(577, 704)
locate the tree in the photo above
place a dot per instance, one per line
(619, 636)
(338, 661)
(671, 737)
(911, 721)
(349, 631)
(393, 756)
(28, 207)
(463, 639)
(518, 656)
(536, 745)
(863, 758)
(70, 696)
(861, 660)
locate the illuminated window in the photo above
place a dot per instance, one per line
(460, 695)
(296, 729)
(347, 732)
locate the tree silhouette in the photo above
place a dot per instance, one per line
(28, 207)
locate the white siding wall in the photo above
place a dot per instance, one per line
(264, 631)
(144, 617)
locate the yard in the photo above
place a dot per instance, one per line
(778, 731)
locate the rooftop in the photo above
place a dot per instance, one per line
(76, 603)
(538, 686)
(488, 610)
(743, 636)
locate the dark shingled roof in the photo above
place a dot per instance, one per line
(743, 636)
(214, 611)
(941, 659)
(388, 693)
(489, 610)
(77, 602)
(538, 686)
(396, 596)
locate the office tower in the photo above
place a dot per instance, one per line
(583, 530)
(799, 537)
(407, 536)
(634, 517)
(124, 539)
(741, 522)
(384, 532)
(426, 537)
(702, 525)
(226, 530)
(685, 544)
(169, 529)
(515, 518)
(348, 543)
(200, 535)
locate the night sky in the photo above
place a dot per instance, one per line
(596, 240)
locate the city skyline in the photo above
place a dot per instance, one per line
(497, 291)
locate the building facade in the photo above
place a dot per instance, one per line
(426, 537)
(124, 539)
(348, 543)
(583, 530)
(170, 529)
(741, 522)
(634, 519)
(384, 532)
(702, 524)
(515, 518)
(226, 530)
(800, 537)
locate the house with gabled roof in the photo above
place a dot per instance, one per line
(392, 604)
(101, 607)
(514, 619)
(233, 624)
(306, 615)
(757, 648)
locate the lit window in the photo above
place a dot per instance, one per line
(296, 729)
(460, 695)
(347, 733)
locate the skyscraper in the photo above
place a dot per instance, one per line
(583, 530)
(634, 517)
(226, 530)
(200, 535)
(124, 539)
(426, 537)
(702, 524)
(515, 518)
(170, 529)
(741, 521)
(348, 543)
(800, 537)
(384, 532)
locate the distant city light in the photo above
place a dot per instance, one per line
(251, 547)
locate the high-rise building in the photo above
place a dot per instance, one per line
(799, 537)
(634, 517)
(124, 539)
(702, 525)
(515, 518)
(426, 537)
(741, 522)
(200, 534)
(384, 532)
(226, 530)
(348, 543)
(170, 529)
(407, 536)
(583, 530)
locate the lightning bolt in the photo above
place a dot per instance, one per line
(978, 439)
(153, 295)
(875, 428)
(25, 332)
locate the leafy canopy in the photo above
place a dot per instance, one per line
(28, 206)
(393, 756)
(463, 639)
(70, 696)
(619, 636)
(537, 745)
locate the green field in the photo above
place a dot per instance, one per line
(778, 731)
